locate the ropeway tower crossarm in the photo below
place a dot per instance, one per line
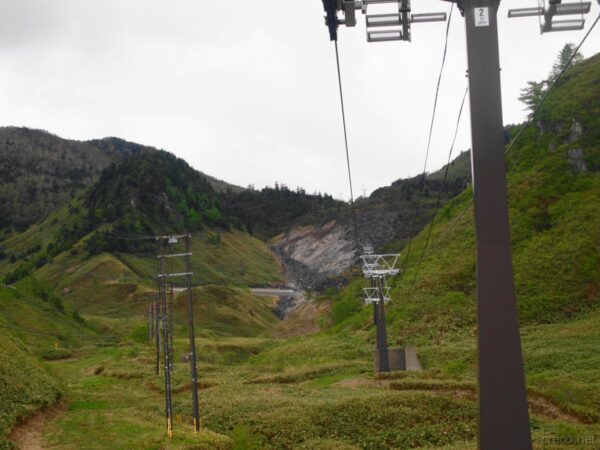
(390, 26)
(372, 295)
(553, 9)
(380, 265)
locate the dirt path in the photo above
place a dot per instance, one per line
(29, 435)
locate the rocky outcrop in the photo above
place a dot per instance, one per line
(576, 158)
(576, 131)
(312, 254)
(317, 256)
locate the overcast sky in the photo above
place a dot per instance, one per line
(247, 91)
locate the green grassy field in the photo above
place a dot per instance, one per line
(34, 326)
(316, 392)
(310, 392)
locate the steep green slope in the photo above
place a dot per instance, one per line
(25, 386)
(146, 194)
(554, 197)
(554, 212)
(34, 325)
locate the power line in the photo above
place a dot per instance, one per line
(110, 235)
(435, 102)
(439, 197)
(337, 59)
(437, 89)
(527, 123)
(117, 232)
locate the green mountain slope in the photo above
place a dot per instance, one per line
(144, 195)
(41, 172)
(554, 211)
(554, 199)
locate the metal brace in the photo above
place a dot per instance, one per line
(556, 8)
(403, 19)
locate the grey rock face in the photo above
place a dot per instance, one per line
(311, 254)
(576, 131)
(576, 158)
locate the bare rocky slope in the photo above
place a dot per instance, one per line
(318, 255)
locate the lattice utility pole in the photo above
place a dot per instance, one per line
(152, 318)
(156, 328)
(149, 314)
(171, 316)
(188, 277)
(503, 412)
(164, 321)
(377, 268)
(188, 254)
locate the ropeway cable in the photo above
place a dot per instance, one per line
(337, 59)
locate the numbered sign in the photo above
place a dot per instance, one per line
(482, 17)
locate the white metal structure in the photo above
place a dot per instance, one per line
(372, 295)
(555, 8)
(380, 265)
(396, 17)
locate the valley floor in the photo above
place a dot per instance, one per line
(312, 392)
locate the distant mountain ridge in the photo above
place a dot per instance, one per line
(41, 172)
(114, 186)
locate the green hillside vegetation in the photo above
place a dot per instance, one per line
(25, 385)
(219, 257)
(146, 194)
(554, 209)
(35, 325)
(41, 172)
(223, 311)
(123, 283)
(555, 225)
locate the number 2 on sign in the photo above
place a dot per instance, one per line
(482, 17)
